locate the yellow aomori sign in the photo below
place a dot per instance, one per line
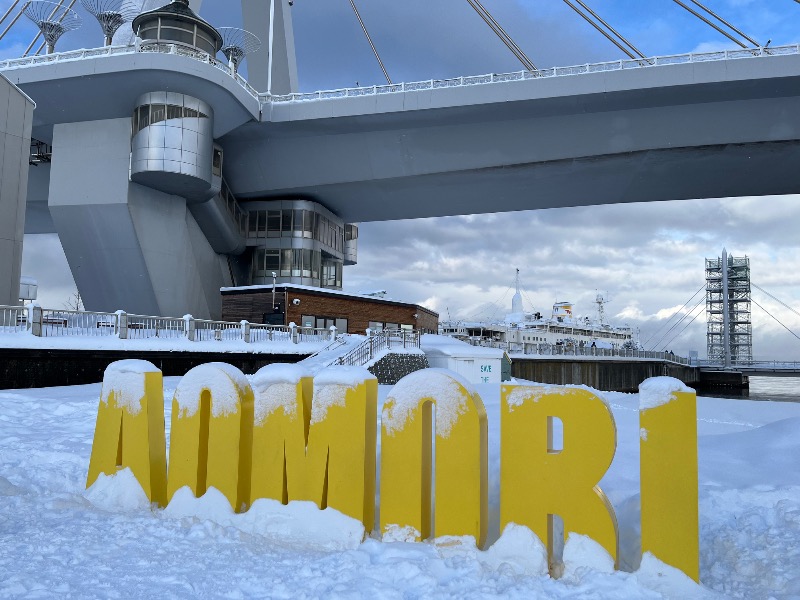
(287, 436)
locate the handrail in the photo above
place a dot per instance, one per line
(265, 98)
(376, 342)
(545, 349)
(47, 322)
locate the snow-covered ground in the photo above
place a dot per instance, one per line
(58, 540)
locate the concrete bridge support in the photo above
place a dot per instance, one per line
(16, 117)
(129, 247)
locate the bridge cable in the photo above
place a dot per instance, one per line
(781, 302)
(605, 32)
(717, 27)
(503, 35)
(677, 335)
(776, 319)
(678, 322)
(369, 39)
(673, 315)
(15, 19)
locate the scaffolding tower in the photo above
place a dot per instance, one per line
(728, 314)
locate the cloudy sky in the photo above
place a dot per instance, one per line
(648, 258)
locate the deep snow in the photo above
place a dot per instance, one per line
(59, 540)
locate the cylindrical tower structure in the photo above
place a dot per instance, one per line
(172, 144)
(176, 23)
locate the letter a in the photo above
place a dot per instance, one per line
(668, 472)
(130, 427)
(538, 482)
(212, 433)
(461, 495)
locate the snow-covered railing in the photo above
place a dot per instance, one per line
(13, 319)
(46, 322)
(430, 84)
(617, 65)
(775, 366)
(377, 341)
(587, 351)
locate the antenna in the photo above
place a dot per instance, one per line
(236, 45)
(44, 15)
(111, 14)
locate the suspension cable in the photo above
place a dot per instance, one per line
(502, 34)
(678, 322)
(14, 20)
(776, 319)
(710, 24)
(673, 316)
(369, 39)
(721, 20)
(677, 335)
(8, 12)
(781, 302)
(605, 32)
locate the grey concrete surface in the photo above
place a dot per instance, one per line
(16, 117)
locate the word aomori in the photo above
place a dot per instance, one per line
(290, 437)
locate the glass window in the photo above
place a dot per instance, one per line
(406, 327)
(174, 112)
(306, 263)
(258, 263)
(272, 261)
(252, 223)
(308, 223)
(298, 223)
(262, 223)
(375, 326)
(273, 223)
(216, 163)
(307, 321)
(286, 262)
(297, 262)
(350, 232)
(190, 113)
(315, 257)
(286, 223)
(341, 325)
(144, 116)
(173, 34)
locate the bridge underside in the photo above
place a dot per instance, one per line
(731, 170)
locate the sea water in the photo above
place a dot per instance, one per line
(776, 389)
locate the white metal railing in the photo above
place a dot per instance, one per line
(753, 365)
(375, 342)
(13, 319)
(586, 351)
(45, 322)
(617, 65)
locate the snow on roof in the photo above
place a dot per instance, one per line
(443, 345)
(226, 381)
(125, 378)
(441, 384)
(311, 288)
(331, 385)
(657, 391)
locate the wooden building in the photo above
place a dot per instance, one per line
(309, 306)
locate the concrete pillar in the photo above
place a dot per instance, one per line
(272, 71)
(16, 118)
(128, 246)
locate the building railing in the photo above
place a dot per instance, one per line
(430, 84)
(587, 351)
(44, 322)
(378, 341)
(756, 365)
(617, 65)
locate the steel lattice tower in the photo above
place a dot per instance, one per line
(728, 315)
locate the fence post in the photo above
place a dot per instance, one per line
(246, 331)
(404, 338)
(122, 324)
(333, 333)
(189, 327)
(369, 337)
(293, 332)
(35, 319)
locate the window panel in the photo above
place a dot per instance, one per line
(286, 223)
(286, 262)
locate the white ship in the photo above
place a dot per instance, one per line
(561, 328)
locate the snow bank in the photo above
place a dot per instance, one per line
(275, 387)
(125, 379)
(441, 384)
(658, 391)
(582, 553)
(298, 524)
(519, 549)
(227, 381)
(120, 492)
(331, 385)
